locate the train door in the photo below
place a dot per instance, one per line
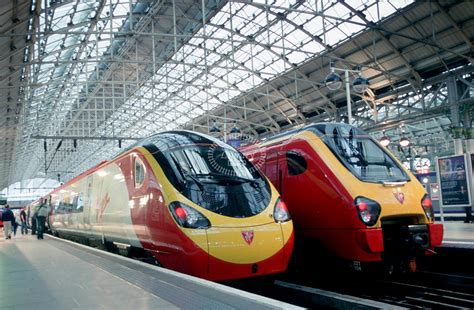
(140, 196)
(88, 205)
(272, 169)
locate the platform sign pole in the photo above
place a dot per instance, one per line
(470, 174)
(440, 201)
(441, 214)
(454, 175)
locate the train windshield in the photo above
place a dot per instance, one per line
(212, 174)
(360, 154)
(212, 162)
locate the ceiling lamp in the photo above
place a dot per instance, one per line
(384, 141)
(333, 80)
(214, 128)
(404, 141)
(360, 84)
(235, 129)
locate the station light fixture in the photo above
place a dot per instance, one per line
(333, 81)
(404, 141)
(385, 140)
(360, 84)
(235, 129)
(214, 128)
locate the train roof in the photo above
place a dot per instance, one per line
(318, 128)
(166, 140)
(178, 138)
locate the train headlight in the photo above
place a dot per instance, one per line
(368, 210)
(188, 217)
(428, 207)
(280, 213)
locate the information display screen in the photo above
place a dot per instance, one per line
(453, 181)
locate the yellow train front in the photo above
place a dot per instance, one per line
(349, 194)
(193, 203)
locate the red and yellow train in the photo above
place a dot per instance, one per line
(190, 201)
(350, 195)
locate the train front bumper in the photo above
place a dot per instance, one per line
(368, 245)
(249, 251)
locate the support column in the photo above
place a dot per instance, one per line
(455, 119)
(348, 98)
(468, 131)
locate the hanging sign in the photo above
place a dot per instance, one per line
(454, 184)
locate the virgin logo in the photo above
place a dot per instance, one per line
(400, 197)
(248, 236)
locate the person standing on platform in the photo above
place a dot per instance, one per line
(33, 220)
(41, 214)
(24, 229)
(7, 218)
(15, 224)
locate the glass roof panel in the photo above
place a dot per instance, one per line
(247, 43)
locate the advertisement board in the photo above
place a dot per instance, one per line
(454, 181)
(470, 172)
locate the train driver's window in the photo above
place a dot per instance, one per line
(139, 172)
(296, 163)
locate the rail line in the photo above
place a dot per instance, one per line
(424, 289)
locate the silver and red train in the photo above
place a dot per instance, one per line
(193, 203)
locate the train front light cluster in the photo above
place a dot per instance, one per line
(368, 210)
(188, 217)
(428, 207)
(280, 213)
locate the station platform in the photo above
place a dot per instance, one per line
(58, 274)
(458, 235)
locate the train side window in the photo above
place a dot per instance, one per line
(78, 203)
(139, 172)
(296, 163)
(56, 205)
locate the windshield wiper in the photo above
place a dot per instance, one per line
(196, 180)
(222, 176)
(185, 176)
(178, 166)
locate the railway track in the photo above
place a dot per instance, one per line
(425, 296)
(424, 289)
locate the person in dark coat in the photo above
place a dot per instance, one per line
(14, 224)
(8, 218)
(24, 229)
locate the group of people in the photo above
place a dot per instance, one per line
(38, 220)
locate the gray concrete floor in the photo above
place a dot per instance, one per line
(34, 275)
(56, 274)
(458, 234)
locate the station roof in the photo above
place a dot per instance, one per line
(78, 76)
